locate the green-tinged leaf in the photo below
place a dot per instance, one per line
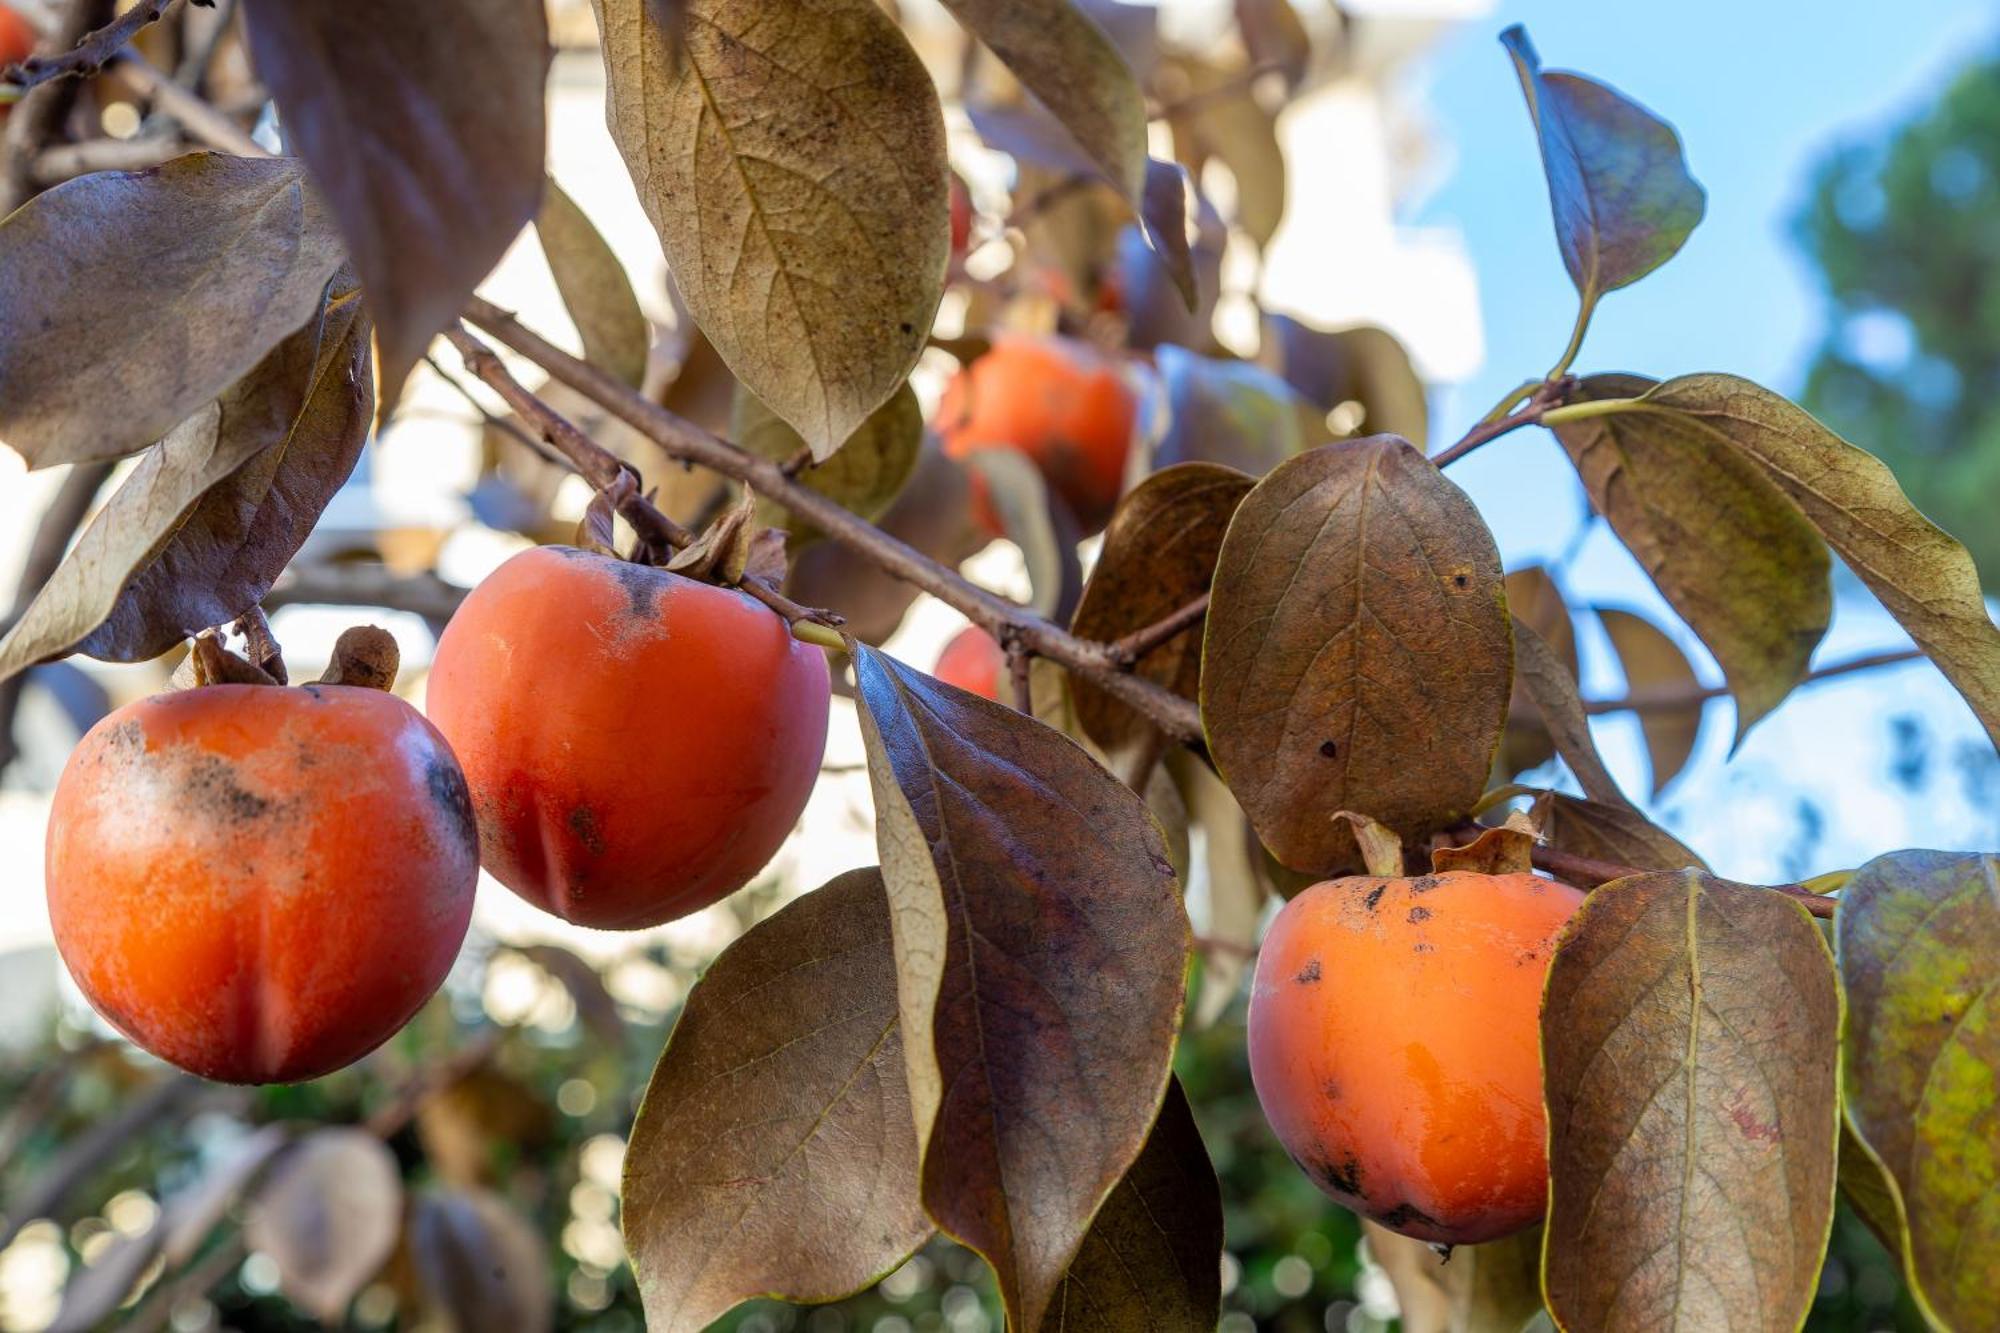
(1152, 1261)
(1490, 1288)
(1919, 942)
(1035, 519)
(1538, 603)
(1690, 1042)
(595, 288)
(423, 126)
(1233, 413)
(1041, 951)
(1923, 576)
(1735, 559)
(1217, 115)
(793, 164)
(1868, 1191)
(1611, 832)
(130, 299)
(865, 476)
(774, 1153)
(478, 1263)
(329, 1216)
(206, 522)
(1356, 655)
(1624, 202)
(1654, 663)
(1362, 365)
(1229, 893)
(1551, 685)
(1067, 61)
(1159, 555)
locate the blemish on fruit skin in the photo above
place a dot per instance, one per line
(1309, 974)
(1423, 883)
(1403, 1214)
(448, 792)
(1419, 914)
(1374, 896)
(583, 823)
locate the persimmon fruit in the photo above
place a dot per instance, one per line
(1060, 402)
(973, 661)
(637, 743)
(17, 39)
(1395, 1046)
(261, 884)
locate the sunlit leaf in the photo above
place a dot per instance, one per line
(793, 164)
(1654, 662)
(1919, 942)
(865, 476)
(595, 288)
(130, 299)
(1690, 1038)
(423, 126)
(1041, 951)
(1356, 655)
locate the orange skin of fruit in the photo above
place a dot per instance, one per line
(17, 39)
(1059, 401)
(1394, 1044)
(261, 884)
(638, 744)
(972, 661)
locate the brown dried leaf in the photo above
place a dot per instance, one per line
(479, 1264)
(1506, 849)
(128, 300)
(423, 126)
(1381, 849)
(1690, 1038)
(1652, 662)
(1159, 554)
(794, 166)
(1356, 656)
(206, 522)
(1736, 559)
(1163, 220)
(1616, 833)
(595, 288)
(1066, 60)
(1552, 687)
(1273, 34)
(1041, 951)
(475, 1128)
(864, 477)
(1536, 601)
(775, 1151)
(329, 1216)
(1224, 120)
(1152, 1261)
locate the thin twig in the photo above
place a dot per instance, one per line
(1674, 700)
(1551, 393)
(1020, 670)
(198, 117)
(35, 120)
(70, 160)
(1136, 645)
(511, 429)
(425, 595)
(94, 51)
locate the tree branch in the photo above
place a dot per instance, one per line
(94, 51)
(1134, 646)
(35, 120)
(1677, 700)
(1548, 394)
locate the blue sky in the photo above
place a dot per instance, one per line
(1759, 90)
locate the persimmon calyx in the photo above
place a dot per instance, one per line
(364, 655)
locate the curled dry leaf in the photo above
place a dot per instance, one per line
(479, 1264)
(1623, 199)
(206, 521)
(1355, 568)
(328, 1216)
(1506, 849)
(1152, 1261)
(595, 288)
(1652, 661)
(423, 126)
(1919, 942)
(864, 477)
(364, 655)
(1068, 62)
(1381, 849)
(793, 164)
(1730, 553)
(101, 356)
(1690, 1036)
(775, 1151)
(1159, 554)
(1041, 951)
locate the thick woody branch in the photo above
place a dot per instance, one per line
(94, 51)
(1000, 617)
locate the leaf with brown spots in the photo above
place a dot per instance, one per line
(1159, 554)
(1919, 943)
(1152, 1262)
(211, 515)
(1654, 662)
(1041, 951)
(128, 300)
(774, 1153)
(793, 164)
(1690, 1038)
(1356, 655)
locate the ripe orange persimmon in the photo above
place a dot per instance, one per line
(972, 661)
(1395, 1046)
(1060, 402)
(637, 743)
(261, 884)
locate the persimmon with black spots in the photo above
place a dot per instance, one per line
(973, 661)
(1062, 403)
(1395, 1046)
(261, 884)
(637, 743)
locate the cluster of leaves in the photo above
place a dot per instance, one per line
(976, 1038)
